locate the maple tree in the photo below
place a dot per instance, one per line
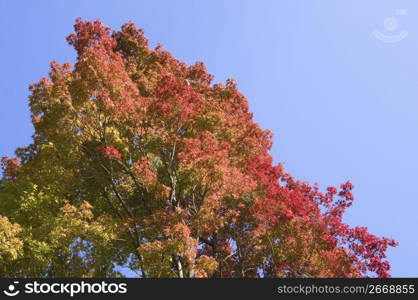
(139, 161)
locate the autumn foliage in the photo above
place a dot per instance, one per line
(139, 161)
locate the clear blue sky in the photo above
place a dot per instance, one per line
(343, 104)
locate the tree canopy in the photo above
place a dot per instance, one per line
(139, 161)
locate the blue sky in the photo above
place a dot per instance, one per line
(341, 102)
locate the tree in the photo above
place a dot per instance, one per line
(138, 160)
